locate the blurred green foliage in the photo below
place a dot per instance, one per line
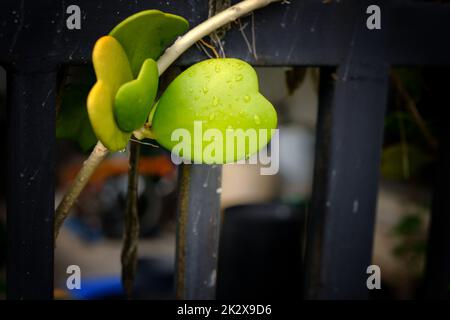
(411, 241)
(407, 154)
(72, 121)
(403, 161)
(410, 224)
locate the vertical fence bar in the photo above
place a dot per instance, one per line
(30, 201)
(349, 141)
(437, 273)
(340, 230)
(198, 231)
(437, 279)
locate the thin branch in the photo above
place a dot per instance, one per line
(217, 40)
(216, 6)
(412, 108)
(205, 28)
(211, 47)
(404, 148)
(131, 233)
(202, 48)
(241, 29)
(82, 178)
(255, 55)
(144, 143)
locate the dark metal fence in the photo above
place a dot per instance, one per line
(35, 44)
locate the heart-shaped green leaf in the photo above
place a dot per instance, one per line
(112, 70)
(147, 34)
(222, 94)
(134, 99)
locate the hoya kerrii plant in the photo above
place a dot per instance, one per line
(219, 93)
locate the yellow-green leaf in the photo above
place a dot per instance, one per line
(112, 70)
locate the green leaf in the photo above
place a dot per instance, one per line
(73, 122)
(117, 60)
(147, 34)
(134, 99)
(222, 94)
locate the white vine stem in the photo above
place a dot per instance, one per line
(170, 55)
(202, 30)
(82, 178)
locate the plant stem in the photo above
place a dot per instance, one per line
(170, 55)
(82, 178)
(131, 232)
(202, 30)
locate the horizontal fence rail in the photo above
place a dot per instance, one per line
(307, 32)
(35, 43)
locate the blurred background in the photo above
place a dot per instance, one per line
(263, 225)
